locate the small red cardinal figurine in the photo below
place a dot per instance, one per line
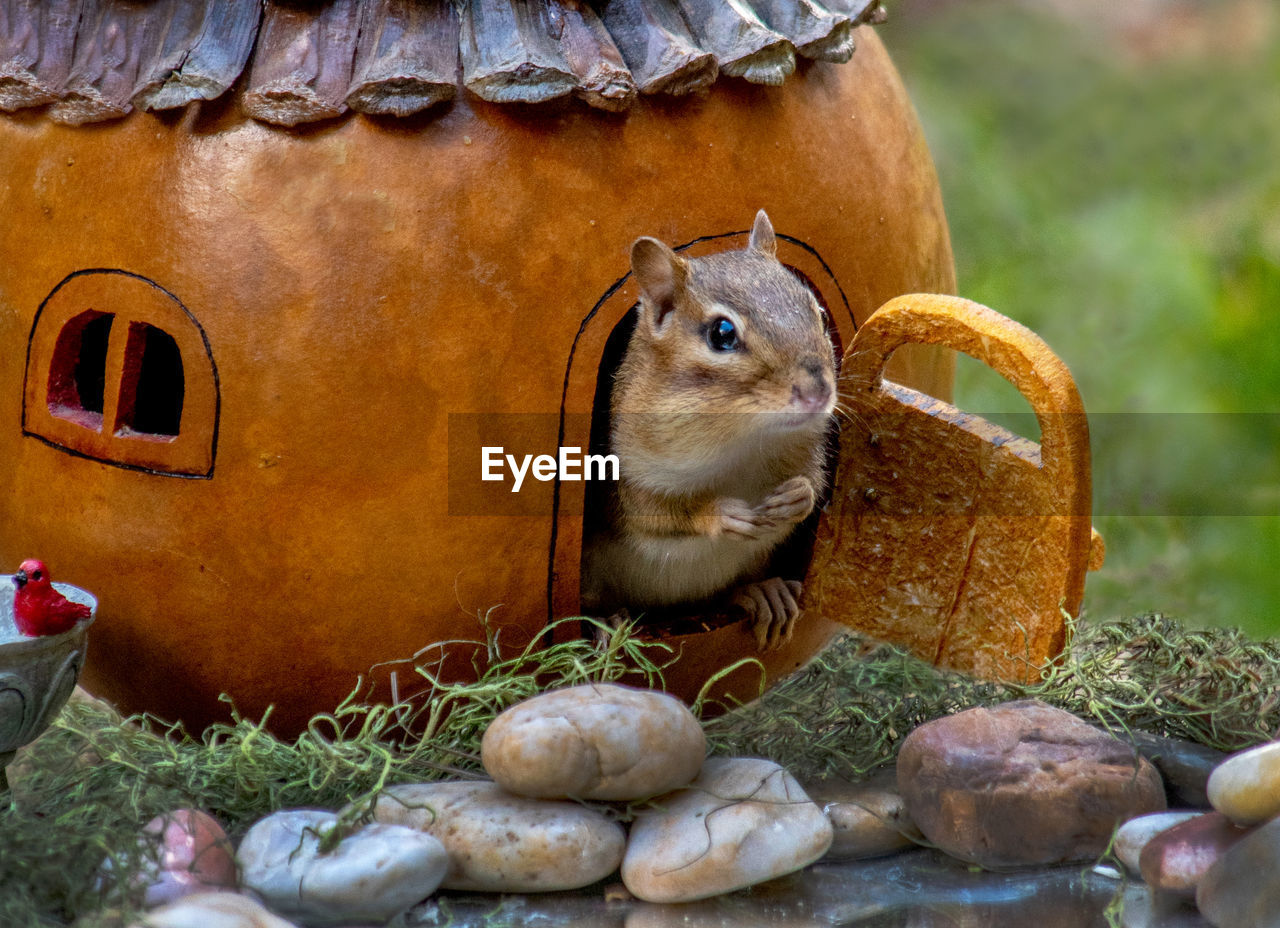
(39, 609)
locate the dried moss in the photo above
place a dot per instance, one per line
(846, 713)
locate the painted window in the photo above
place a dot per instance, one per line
(120, 371)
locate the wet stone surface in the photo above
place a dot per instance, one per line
(919, 888)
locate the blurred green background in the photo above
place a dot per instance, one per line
(1111, 173)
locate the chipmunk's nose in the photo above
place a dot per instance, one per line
(811, 393)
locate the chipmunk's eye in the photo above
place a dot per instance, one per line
(722, 335)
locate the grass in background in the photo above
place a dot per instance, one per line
(1125, 205)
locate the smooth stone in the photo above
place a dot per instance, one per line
(1022, 784)
(213, 910)
(498, 842)
(597, 741)
(192, 855)
(1246, 786)
(867, 819)
(1240, 890)
(1133, 835)
(373, 874)
(1184, 766)
(741, 822)
(1175, 860)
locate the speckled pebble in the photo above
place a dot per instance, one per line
(373, 874)
(1133, 835)
(598, 741)
(213, 910)
(741, 822)
(503, 843)
(1246, 786)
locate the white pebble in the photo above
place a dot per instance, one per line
(373, 874)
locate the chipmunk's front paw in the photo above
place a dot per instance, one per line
(788, 504)
(773, 606)
(740, 518)
(791, 501)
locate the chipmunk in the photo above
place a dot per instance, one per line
(720, 411)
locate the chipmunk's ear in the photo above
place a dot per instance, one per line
(661, 274)
(762, 238)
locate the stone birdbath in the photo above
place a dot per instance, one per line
(37, 675)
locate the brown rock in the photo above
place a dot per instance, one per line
(1178, 857)
(1022, 784)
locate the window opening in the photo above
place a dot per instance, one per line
(151, 387)
(119, 371)
(77, 377)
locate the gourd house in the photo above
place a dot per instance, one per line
(273, 275)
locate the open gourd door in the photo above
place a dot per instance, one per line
(948, 535)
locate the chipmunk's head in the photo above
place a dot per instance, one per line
(735, 336)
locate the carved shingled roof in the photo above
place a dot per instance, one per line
(96, 60)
